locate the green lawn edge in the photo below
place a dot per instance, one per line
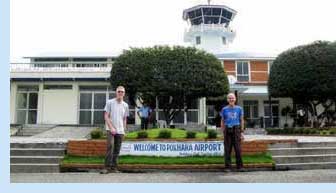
(159, 160)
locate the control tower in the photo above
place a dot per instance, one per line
(209, 27)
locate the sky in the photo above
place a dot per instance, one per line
(109, 26)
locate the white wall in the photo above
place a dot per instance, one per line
(59, 106)
(13, 89)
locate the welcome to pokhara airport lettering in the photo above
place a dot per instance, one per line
(177, 147)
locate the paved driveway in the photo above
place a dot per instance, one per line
(185, 177)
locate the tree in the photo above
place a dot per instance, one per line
(307, 74)
(175, 75)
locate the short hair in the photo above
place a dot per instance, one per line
(120, 87)
(231, 94)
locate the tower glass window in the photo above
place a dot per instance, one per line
(198, 40)
(224, 40)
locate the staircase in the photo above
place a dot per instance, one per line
(36, 157)
(304, 156)
(30, 130)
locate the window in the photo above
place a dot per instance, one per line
(243, 71)
(51, 59)
(192, 113)
(26, 109)
(89, 59)
(92, 103)
(196, 21)
(251, 113)
(198, 40)
(274, 122)
(224, 40)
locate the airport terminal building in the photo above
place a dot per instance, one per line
(72, 89)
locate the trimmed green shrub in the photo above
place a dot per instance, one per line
(324, 133)
(285, 130)
(290, 131)
(165, 134)
(306, 131)
(191, 134)
(268, 130)
(332, 132)
(212, 134)
(96, 133)
(142, 135)
(297, 131)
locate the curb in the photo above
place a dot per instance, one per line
(142, 168)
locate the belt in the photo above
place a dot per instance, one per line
(232, 126)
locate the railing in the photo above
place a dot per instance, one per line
(203, 27)
(61, 67)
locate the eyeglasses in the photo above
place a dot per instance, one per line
(120, 91)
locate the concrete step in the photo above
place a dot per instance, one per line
(287, 159)
(252, 131)
(303, 144)
(34, 168)
(37, 151)
(302, 151)
(26, 133)
(306, 166)
(38, 145)
(35, 159)
(30, 131)
(35, 129)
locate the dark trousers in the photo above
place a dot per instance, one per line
(232, 139)
(113, 149)
(144, 123)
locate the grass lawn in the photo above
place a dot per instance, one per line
(247, 159)
(176, 134)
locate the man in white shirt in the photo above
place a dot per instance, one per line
(116, 113)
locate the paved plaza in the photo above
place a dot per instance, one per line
(293, 176)
(63, 134)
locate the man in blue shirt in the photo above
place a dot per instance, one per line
(144, 113)
(232, 125)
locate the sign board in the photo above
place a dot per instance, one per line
(172, 149)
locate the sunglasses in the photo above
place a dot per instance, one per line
(120, 91)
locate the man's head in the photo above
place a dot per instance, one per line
(231, 99)
(120, 92)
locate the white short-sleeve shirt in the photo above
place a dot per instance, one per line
(118, 112)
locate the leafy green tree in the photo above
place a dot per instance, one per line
(175, 75)
(307, 74)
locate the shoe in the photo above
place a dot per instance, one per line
(114, 170)
(227, 169)
(104, 171)
(241, 170)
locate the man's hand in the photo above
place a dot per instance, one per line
(113, 131)
(242, 136)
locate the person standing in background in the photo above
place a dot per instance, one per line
(144, 113)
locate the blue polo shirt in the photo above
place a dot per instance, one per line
(144, 112)
(232, 115)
